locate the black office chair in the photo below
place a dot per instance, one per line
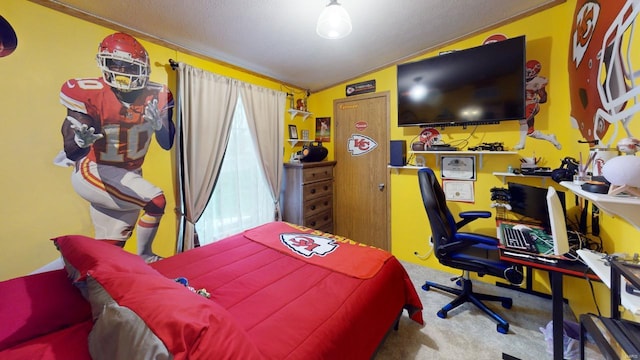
(465, 251)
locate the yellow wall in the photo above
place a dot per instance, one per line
(547, 35)
(39, 202)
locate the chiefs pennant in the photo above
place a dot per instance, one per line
(360, 144)
(308, 245)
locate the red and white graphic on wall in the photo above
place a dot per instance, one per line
(360, 144)
(361, 125)
(602, 78)
(308, 245)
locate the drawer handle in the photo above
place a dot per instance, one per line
(313, 207)
(313, 191)
(326, 218)
(326, 187)
(326, 203)
(313, 223)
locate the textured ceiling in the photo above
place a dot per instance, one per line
(277, 39)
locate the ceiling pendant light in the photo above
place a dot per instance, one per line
(334, 22)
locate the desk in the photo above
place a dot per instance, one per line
(556, 271)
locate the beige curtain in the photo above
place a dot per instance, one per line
(265, 111)
(206, 102)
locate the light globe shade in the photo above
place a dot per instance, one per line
(334, 22)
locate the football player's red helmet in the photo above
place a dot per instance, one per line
(124, 62)
(533, 69)
(602, 83)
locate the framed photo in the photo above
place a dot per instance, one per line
(458, 167)
(293, 132)
(323, 129)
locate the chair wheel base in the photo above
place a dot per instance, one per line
(507, 303)
(503, 328)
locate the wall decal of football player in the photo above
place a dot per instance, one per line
(536, 94)
(107, 131)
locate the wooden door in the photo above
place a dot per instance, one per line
(361, 172)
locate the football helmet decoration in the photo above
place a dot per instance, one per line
(124, 62)
(602, 83)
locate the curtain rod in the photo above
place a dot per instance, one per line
(174, 65)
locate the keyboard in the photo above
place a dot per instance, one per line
(519, 240)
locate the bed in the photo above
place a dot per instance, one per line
(277, 291)
(300, 293)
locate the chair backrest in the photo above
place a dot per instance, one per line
(441, 221)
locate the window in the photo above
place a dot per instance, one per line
(241, 198)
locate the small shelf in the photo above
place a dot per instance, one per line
(295, 142)
(397, 169)
(505, 175)
(623, 206)
(294, 112)
(458, 152)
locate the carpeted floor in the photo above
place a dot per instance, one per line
(467, 332)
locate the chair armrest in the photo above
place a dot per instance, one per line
(476, 238)
(469, 216)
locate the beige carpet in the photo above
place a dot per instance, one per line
(467, 332)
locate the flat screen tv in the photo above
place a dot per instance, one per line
(480, 85)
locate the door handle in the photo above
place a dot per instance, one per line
(381, 187)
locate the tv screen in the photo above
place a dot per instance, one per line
(480, 85)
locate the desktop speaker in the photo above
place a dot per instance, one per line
(398, 149)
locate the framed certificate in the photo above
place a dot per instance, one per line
(458, 190)
(458, 167)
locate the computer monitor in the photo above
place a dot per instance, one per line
(528, 201)
(557, 222)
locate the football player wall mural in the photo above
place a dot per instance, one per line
(110, 121)
(602, 82)
(536, 94)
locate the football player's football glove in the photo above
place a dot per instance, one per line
(84, 136)
(152, 115)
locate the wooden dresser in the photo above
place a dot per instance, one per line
(307, 194)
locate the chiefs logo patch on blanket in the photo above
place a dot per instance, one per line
(323, 249)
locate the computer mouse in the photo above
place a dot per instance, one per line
(521, 227)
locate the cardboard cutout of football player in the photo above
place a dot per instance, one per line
(107, 132)
(536, 94)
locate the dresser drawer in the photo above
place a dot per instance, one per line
(317, 189)
(320, 221)
(315, 206)
(317, 174)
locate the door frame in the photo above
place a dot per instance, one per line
(387, 95)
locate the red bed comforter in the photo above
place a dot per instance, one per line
(299, 293)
